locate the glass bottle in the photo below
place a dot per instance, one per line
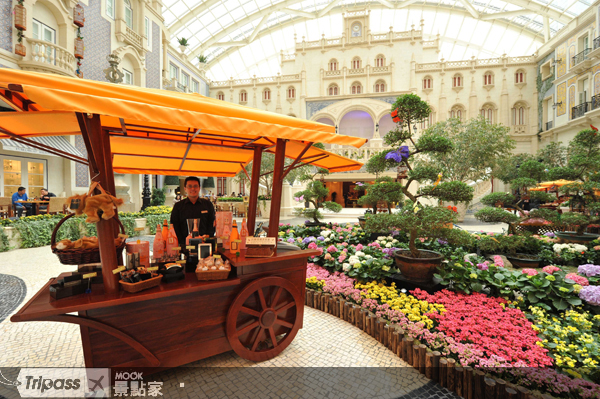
(243, 234)
(158, 248)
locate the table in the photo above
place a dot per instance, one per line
(188, 320)
(34, 205)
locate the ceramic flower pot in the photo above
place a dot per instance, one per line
(362, 222)
(419, 270)
(524, 261)
(573, 237)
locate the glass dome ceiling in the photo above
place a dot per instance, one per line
(242, 38)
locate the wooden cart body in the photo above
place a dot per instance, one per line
(181, 322)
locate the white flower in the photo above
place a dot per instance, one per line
(385, 268)
(380, 238)
(395, 241)
(325, 233)
(403, 291)
(346, 267)
(353, 259)
(388, 245)
(327, 240)
(368, 256)
(357, 265)
(360, 253)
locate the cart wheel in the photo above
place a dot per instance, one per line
(264, 318)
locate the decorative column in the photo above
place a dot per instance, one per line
(392, 65)
(146, 193)
(368, 89)
(504, 103)
(343, 88)
(303, 94)
(278, 108)
(443, 112)
(413, 72)
(473, 98)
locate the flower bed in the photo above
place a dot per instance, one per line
(489, 316)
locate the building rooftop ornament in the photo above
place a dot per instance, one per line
(113, 74)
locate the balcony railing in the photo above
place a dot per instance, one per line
(580, 110)
(549, 125)
(581, 56)
(48, 57)
(596, 101)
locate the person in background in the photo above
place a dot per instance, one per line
(177, 199)
(240, 195)
(21, 195)
(193, 207)
(45, 196)
(233, 194)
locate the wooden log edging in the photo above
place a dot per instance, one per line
(464, 381)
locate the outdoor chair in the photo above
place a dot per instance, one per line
(57, 205)
(6, 207)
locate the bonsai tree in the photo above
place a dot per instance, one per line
(315, 193)
(384, 189)
(406, 150)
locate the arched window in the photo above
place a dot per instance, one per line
(356, 88)
(520, 76)
(380, 86)
(333, 64)
(267, 94)
(427, 82)
(128, 14)
(458, 111)
(333, 90)
(243, 96)
(487, 111)
(380, 61)
(221, 96)
(519, 114)
(356, 63)
(291, 93)
(457, 80)
(427, 122)
(488, 79)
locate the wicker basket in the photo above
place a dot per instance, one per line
(212, 274)
(142, 285)
(80, 256)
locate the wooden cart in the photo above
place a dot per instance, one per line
(256, 312)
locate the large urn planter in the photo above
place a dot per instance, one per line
(362, 222)
(265, 206)
(420, 270)
(524, 261)
(573, 237)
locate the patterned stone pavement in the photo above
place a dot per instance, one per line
(329, 358)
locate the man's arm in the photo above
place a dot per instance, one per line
(15, 197)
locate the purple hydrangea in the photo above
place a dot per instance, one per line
(590, 294)
(442, 242)
(399, 155)
(321, 238)
(550, 234)
(290, 240)
(389, 252)
(589, 270)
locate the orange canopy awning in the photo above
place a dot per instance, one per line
(152, 129)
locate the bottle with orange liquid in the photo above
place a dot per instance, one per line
(226, 236)
(165, 232)
(235, 235)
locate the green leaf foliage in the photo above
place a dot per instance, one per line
(451, 191)
(411, 109)
(498, 197)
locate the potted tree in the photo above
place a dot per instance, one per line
(416, 219)
(315, 194)
(183, 43)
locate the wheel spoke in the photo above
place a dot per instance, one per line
(273, 337)
(286, 307)
(257, 340)
(249, 311)
(247, 328)
(261, 295)
(277, 294)
(284, 323)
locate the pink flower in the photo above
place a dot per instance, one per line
(345, 244)
(551, 269)
(312, 245)
(529, 272)
(332, 248)
(342, 258)
(421, 239)
(345, 250)
(359, 247)
(327, 256)
(320, 251)
(578, 279)
(498, 261)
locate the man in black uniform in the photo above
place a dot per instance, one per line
(193, 207)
